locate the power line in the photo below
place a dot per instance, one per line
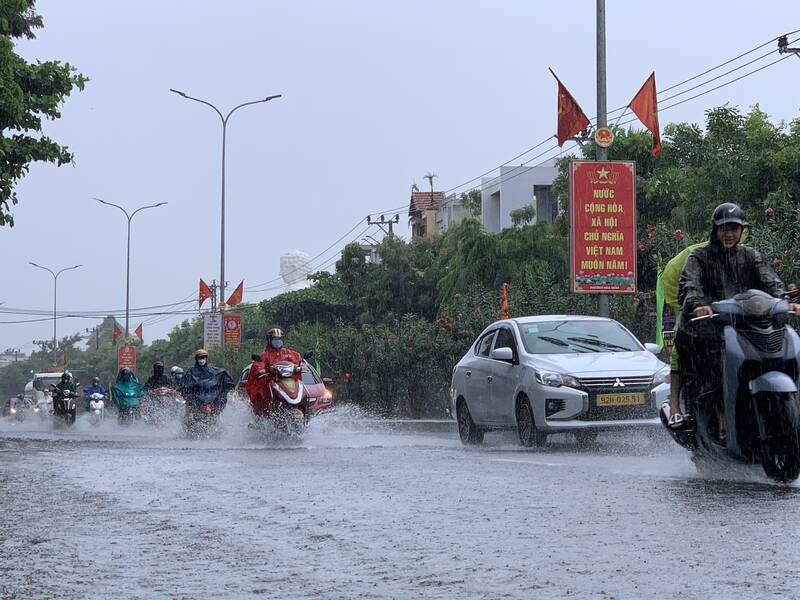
(622, 108)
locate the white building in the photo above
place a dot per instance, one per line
(517, 187)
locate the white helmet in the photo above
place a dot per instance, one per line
(176, 370)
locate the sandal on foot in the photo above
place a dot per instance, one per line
(676, 420)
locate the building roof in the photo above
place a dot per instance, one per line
(422, 201)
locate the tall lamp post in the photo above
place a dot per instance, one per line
(128, 267)
(224, 120)
(55, 275)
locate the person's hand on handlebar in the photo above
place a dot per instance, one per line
(703, 311)
(794, 309)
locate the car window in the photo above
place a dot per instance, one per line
(505, 339)
(579, 336)
(484, 344)
(308, 375)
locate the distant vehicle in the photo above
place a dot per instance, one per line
(41, 382)
(555, 374)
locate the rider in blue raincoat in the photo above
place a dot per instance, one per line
(127, 391)
(95, 388)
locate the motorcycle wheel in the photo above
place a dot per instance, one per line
(780, 452)
(70, 417)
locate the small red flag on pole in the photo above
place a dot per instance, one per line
(205, 292)
(645, 106)
(138, 332)
(117, 332)
(236, 296)
(571, 119)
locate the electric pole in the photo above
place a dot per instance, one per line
(384, 222)
(602, 116)
(783, 46)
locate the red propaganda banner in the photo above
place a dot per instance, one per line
(602, 227)
(126, 357)
(232, 330)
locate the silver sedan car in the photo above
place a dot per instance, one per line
(555, 374)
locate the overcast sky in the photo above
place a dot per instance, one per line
(375, 94)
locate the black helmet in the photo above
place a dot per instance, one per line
(728, 212)
(65, 376)
(96, 380)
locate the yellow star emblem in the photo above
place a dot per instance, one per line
(602, 173)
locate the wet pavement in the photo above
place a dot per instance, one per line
(360, 510)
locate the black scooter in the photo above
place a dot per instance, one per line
(760, 377)
(65, 406)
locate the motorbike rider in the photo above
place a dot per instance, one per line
(195, 382)
(177, 375)
(127, 391)
(67, 384)
(258, 378)
(158, 379)
(716, 271)
(95, 388)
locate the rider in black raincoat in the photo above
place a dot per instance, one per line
(205, 383)
(717, 271)
(159, 379)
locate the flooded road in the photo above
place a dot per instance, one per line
(357, 510)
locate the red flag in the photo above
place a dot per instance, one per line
(117, 332)
(64, 358)
(645, 105)
(205, 292)
(571, 119)
(236, 296)
(138, 332)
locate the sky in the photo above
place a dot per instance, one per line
(374, 96)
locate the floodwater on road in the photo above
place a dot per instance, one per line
(359, 509)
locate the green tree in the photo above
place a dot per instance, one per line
(471, 202)
(523, 216)
(29, 92)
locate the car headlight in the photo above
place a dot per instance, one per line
(661, 376)
(553, 379)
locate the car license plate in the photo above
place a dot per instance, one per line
(619, 399)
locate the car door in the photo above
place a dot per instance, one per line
(504, 379)
(477, 374)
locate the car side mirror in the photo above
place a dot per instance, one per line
(255, 357)
(308, 354)
(506, 354)
(652, 348)
(327, 381)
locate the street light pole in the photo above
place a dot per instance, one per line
(55, 275)
(224, 120)
(602, 116)
(128, 267)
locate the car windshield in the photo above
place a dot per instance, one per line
(570, 337)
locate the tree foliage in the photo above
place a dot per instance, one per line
(29, 93)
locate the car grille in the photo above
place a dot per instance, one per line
(605, 385)
(622, 383)
(765, 342)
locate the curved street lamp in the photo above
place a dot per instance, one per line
(128, 267)
(55, 275)
(224, 120)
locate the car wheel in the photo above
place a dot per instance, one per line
(529, 436)
(467, 430)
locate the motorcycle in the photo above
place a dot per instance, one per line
(204, 406)
(20, 408)
(162, 405)
(760, 376)
(65, 405)
(288, 406)
(97, 408)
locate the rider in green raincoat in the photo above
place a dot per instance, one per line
(127, 391)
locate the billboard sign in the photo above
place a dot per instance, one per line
(126, 357)
(602, 227)
(212, 331)
(232, 330)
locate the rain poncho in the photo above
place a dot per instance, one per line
(206, 385)
(159, 379)
(127, 393)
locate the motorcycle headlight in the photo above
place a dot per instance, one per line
(661, 376)
(553, 379)
(13, 410)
